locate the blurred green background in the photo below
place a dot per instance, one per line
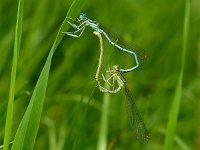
(156, 27)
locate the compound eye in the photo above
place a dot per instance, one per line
(82, 16)
(116, 67)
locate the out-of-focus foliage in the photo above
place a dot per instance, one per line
(156, 27)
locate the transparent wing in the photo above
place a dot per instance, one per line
(135, 119)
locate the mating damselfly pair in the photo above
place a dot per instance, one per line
(116, 77)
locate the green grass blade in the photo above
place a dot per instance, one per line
(27, 131)
(28, 128)
(9, 117)
(171, 127)
(102, 139)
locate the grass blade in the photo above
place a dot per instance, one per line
(171, 127)
(102, 139)
(28, 128)
(9, 117)
(27, 131)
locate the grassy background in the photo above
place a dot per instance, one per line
(155, 26)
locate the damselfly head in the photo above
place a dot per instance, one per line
(83, 16)
(116, 67)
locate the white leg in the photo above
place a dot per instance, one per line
(106, 80)
(113, 90)
(74, 34)
(104, 90)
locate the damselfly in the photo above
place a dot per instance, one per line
(82, 22)
(135, 119)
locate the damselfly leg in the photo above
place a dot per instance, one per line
(115, 78)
